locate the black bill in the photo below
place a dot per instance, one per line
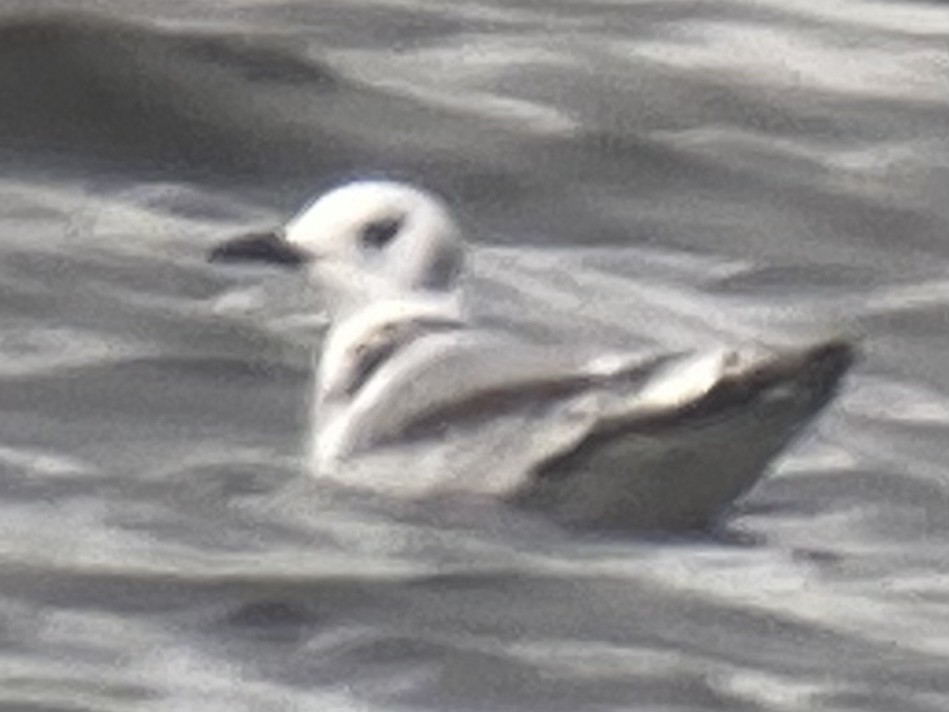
(267, 247)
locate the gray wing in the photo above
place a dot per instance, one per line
(678, 462)
(643, 441)
(457, 379)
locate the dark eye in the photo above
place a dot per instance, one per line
(380, 233)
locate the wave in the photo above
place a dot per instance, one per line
(97, 96)
(94, 89)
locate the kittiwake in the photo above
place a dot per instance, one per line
(415, 399)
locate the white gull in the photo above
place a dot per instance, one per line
(414, 399)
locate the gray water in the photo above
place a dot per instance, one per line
(672, 171)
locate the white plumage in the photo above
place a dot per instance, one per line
(414, 399)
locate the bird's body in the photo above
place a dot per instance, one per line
(414, 399)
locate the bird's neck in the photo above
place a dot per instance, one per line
(362, 340)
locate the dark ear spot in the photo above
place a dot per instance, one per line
(379, 233)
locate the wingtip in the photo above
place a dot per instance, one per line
(834, 357)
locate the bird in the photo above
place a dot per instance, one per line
(414, 399)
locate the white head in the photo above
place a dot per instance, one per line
(365, 241)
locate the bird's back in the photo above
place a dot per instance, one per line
(649, 442)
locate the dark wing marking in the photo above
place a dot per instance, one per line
(385, 342)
